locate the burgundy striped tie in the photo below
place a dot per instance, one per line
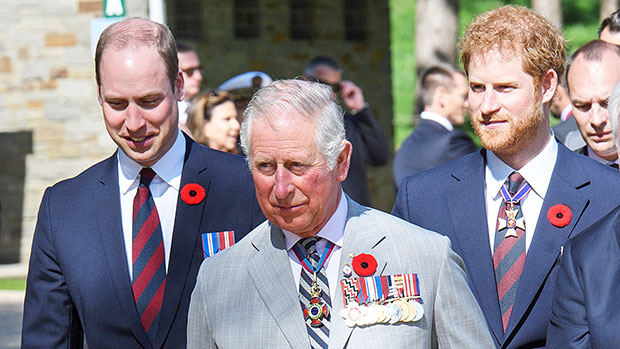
(509, 251)
(149, 269)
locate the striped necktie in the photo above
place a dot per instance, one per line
(317, 331)
(149, 269)
(509, 252)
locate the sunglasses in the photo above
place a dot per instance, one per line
(190, 71)
(335, 86)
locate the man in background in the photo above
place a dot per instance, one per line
(435, 139)
(562, 109)
(189, 63)
(593, 71)
(585, 310)
(362, 129)
(609, 31)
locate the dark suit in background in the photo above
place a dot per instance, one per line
(369, 148)
(428, 146)
(78, 280)
(586, 310)
(450, 200)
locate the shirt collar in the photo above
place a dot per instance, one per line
(565, 113)
(537, 172)
(168, 168)
(594, 156)
(429, 115)
(332, 231)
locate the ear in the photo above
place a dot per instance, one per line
(99, 97)
(343, 162)
(549, 83)
(438, 96)
(179, 85)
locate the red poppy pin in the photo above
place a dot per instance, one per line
(192, 193)
(559, 215)
(364, 264)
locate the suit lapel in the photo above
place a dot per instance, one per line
(358, 238)
(271, 274)
(107, 208)
(466, 203)
(185, 235)
(566, 180)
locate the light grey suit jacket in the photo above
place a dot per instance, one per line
(246, 297)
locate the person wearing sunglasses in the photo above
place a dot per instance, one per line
(361, 127)
(190, 66)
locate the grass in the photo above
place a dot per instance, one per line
(18, 284)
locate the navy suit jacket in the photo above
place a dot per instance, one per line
(428, 146)
(586, 305)
(78, 281)
(450, 199)
(369, 148)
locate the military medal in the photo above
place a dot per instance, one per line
(511, 223)
(317, 310)
(347, 271)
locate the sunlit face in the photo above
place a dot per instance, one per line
(590, 84)
(455, 100)
(505, 108)
(222, 129)
(138, 103)
(294, 187)
(610, 37)
(192, 74)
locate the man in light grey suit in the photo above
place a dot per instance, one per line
(324, 271)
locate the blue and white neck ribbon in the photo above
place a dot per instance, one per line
(304, 260)
(509, 199)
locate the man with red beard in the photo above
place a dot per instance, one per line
(509, 208)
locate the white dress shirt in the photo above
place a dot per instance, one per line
(164, 188)
(183, 107)
(332, 231)
(429, 115)
(537, 173)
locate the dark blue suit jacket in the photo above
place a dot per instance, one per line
(450, 200)
(428, 146)
(78, 282)
(586, 305)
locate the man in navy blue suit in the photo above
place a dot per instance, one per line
(435, 140)
(510, 207)
(585, 310)
(116, 249)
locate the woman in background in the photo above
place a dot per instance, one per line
(212, 120)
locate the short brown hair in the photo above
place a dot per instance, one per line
(138, 31)
(520, 31)
(201, 110)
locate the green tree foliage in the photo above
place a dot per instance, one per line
(580, 26)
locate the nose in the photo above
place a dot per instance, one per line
(198, 74)
(235, 124)
(283, 186)
(599, 116)
(489, 103)
(133, 118)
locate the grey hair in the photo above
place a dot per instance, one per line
(298, 99)
(614, 109)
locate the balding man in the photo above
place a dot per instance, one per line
(592, 73)
(116, 249)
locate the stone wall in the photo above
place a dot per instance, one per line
(47, 89)
(273, 51)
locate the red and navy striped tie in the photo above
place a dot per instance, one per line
(149, 268)
(509, 252)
